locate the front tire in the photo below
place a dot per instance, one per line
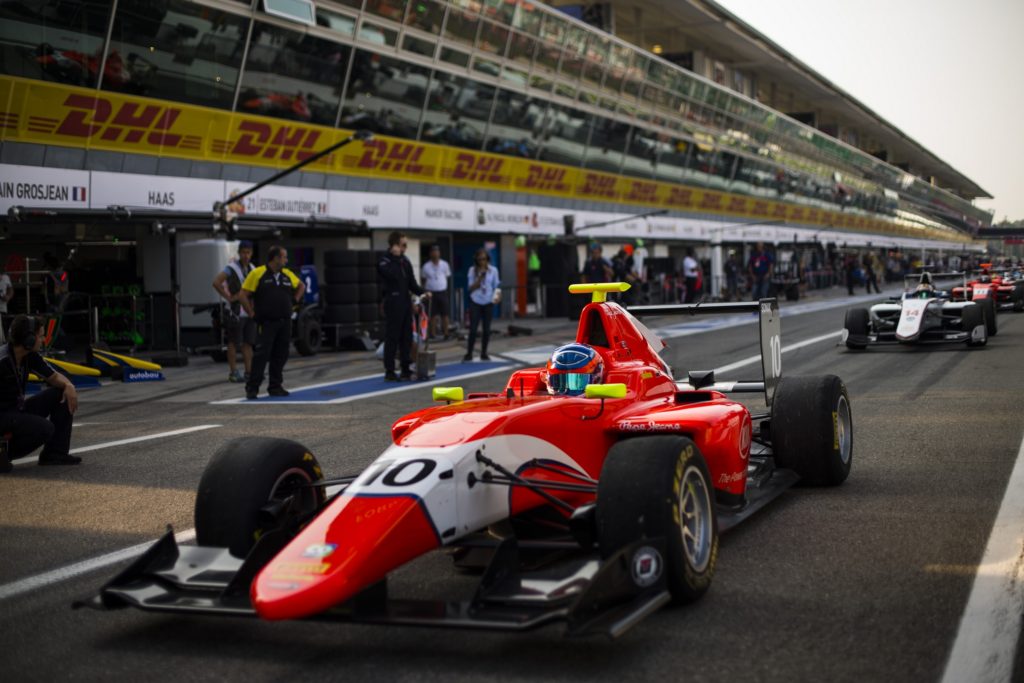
(659, 487)
(254, 485)
(970, 318)
(991, 324)
(812, 429)
(857, 326)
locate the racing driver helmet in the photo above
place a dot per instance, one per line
(572, 367)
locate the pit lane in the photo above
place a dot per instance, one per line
(866, 582)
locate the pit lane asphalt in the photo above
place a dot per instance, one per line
(867, 581)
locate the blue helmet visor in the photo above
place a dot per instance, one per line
(571, 383)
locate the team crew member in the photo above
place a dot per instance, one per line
(41, 420)
(484, 285)
(760, 267)
(690, 275)
(268, 294)
(435, 280)
(6, 294)
(397, 282)
(597, 268)
(239, 328)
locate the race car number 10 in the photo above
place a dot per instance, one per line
(775, 347)
(405, 473)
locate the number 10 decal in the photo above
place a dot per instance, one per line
(775, 346)
(405, 473)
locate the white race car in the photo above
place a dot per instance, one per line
(921, 315)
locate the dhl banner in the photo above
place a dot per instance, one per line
(53, 114)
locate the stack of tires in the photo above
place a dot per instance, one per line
(350, 294)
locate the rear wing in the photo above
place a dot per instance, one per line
(770, 332)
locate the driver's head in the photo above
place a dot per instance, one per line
(572, 367)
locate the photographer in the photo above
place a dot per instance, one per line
(41, 420)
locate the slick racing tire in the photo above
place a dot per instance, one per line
(991, 324)
(812, 429)
(308, 335)
(254, 485)
(341, 258)
(1018, 298)
(658, 487)
(971, 317)
(339, 295)
(857, 324)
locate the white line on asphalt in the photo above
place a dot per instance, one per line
(122, 442)
(71, 571)
(405, 386)
(986, 642)
(785, 349)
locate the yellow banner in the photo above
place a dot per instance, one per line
(48, 113)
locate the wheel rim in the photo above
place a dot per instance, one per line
(843, 431)
(294, 482)
(695, 519)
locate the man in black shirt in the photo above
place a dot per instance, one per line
(597, 268)
(41, 420)
(397, 281)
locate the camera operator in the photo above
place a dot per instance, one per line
(41, 420)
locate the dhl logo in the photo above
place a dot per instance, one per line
(595, 185)
(538, 177)
(131, 122)
(798, 213)
(711, 200)
(644, 192)
(394, 157)
(270, 141)
(780, 211)
(680, 196)
(737, 205)
(760, 208)
(812, 215)
(473, 168)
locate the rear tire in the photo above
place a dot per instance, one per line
(857, 325)
(659, 487)
(812, 429)
(244, 477)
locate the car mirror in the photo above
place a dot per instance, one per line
(449, 394)
(605, 391)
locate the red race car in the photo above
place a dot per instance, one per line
(1007, 285)
(999, 291)
(592, 491)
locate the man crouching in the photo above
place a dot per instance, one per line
(40, 420)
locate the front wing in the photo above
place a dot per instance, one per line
(592, 596)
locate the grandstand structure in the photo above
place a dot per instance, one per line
(492, 120)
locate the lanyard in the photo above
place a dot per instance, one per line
(19, 379)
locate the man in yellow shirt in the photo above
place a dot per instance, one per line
(268, 295)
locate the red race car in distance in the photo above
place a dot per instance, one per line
(1004, 289)
(591, 491)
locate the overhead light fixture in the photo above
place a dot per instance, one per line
(657, 49)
